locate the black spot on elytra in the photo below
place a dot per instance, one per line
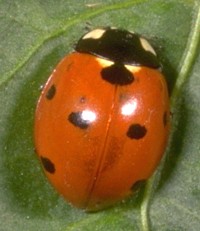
(117, 74)
(76, 119)
(51, 92)
(48, 165)
(136, 131)
(165, 118)
(137, 185)
(82, 99)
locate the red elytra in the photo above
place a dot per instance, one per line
(97, 136)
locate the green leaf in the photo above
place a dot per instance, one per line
(34, 36)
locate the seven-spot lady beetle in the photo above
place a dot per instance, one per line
(102, 120)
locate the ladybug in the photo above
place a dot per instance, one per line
(102, 120)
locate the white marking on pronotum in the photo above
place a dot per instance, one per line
(145, 44)
(94, 34)
(104, 62)
(133, 68)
